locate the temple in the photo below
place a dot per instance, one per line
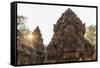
(31, 50)
(68, 42)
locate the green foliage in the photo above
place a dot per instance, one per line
(20, 20)
(91, 34)
(22, 30)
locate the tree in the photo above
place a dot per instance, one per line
(23, 49)
(91, 36)
(22, 30)
(20, 20)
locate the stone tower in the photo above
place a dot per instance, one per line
(68, 42)
(38, 46)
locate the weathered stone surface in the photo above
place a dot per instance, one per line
(23, 54)
(68, 42)
(38, 46)
(34, 54)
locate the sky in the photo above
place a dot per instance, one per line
(45, 16)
